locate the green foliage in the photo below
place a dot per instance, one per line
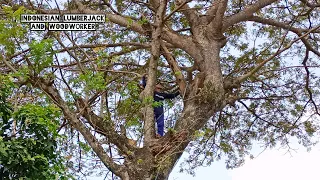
(130, 22)
(11, 29)
(39, 121)
(85, 147)
(120, 5)
(143, 20)
(28, 139)
(130, 106)
(41, 54)
(6, 87)
(310, 128)
(92, 80)
(157, 103)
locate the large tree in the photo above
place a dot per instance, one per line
(245, 71)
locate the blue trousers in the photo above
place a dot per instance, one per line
(160, 123)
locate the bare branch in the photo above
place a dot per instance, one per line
(71, 54)
(105, 46)
(257, 116)
(175, 10)
(308, 81)
(7, 63)
(104, 70)
(244, 77)
(297, 31)
(109, 57)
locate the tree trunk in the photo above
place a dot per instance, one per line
(204, 98)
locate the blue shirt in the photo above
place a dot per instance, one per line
(159, 97)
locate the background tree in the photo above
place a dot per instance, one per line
(28, 138)
(245, 70)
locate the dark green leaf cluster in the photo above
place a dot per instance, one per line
(28, 140)
(41, 54)
(129, 107)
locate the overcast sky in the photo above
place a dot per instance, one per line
(273, 164)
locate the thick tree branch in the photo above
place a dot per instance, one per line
(105, 127)
(216, 24)
(279, 24)
(71, 116)
(189, 13)
(175, 68)
(7, 63)
(311, 5)
(211, 13)
(149, 123)
(155, 4)
(246, 13)
(180, 41)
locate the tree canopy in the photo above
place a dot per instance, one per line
(28, 139)
(246, 72)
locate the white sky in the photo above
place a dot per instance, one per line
(273, 164)
(277, 166)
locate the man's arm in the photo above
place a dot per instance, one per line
(170, 95)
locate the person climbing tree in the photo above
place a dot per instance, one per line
(159, 96)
